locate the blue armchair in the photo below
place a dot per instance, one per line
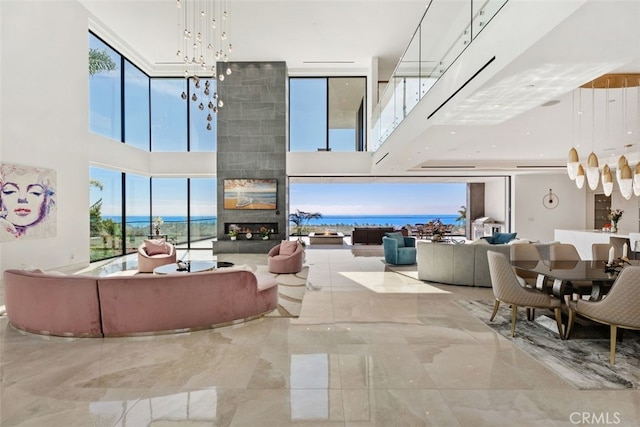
(399, 250)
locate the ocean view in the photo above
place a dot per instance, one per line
(326, 220)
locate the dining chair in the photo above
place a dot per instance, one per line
(600, 251)
(507, 289)
(525, 252)
(619, 309)
(634, 243)
(563, 252)
(568, 252)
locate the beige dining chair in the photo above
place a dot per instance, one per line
(525, 252)
(568, 252)
(600, 251)
(507, 289)
(634, 244)
(619, 309)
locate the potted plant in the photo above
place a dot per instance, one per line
(264, 231)
(300, 219)
(233, 234)
(157, 222)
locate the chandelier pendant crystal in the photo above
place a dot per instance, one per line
(203, 27)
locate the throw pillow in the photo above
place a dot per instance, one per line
(288, 247)
(502, 238)
(156, 247)
(397, 236)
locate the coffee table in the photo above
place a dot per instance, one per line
(194, 267)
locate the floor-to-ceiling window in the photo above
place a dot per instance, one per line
(105, 82)
(138, 210)
(136, 107)
(169, 202)
(168, 115)
(158, 114)
(327, 113)
(105, 213)
(202, 209)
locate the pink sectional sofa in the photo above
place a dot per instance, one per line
(87, 306)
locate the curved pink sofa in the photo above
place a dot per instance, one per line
(87, 306)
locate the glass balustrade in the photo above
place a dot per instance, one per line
(434, 47)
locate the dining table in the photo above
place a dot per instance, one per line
(559, 275)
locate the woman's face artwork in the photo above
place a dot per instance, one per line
(25, 197)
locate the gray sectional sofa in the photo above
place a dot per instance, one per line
(464, 264)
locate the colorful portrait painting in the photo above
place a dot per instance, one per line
(27, 202)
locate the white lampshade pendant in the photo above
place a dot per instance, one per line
(580, 177)
(622, 161)
(572, 163)
(626, 182)
(593, 173)
(607, 180)
(636, 180)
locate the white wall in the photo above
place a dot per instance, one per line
(495, 199)
(44, 80)
(534, 221)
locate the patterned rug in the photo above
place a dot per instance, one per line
(291, 289)
(583, 360)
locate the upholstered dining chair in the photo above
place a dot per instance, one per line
(507, 289)
(525, 252)
(619, 309)
(568, 252)
(563, 252)
(600, 251)
(634, 244)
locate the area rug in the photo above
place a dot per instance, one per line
(583, 360)
(291, 289)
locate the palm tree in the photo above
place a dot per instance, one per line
(99, 61)
(300, 219)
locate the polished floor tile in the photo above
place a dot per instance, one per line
(373, 346)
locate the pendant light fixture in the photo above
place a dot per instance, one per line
(607, 180)
(573, 160)
(593, 171)
(626, 182)
(580, 177)
(636, 180)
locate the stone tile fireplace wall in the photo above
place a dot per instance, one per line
(252, 144)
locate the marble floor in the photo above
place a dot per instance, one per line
(372, 347)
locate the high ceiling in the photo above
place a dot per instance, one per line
(544, 50)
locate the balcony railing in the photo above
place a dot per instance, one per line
(447, 28)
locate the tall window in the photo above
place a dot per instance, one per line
(327, 114)
(169, 201)
(136, 107)
(105, 213)
(138, 210)
(168, 115)
(105, 82)
(202, 208)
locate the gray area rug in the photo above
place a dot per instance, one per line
(583, 360)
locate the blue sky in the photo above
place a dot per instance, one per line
(378, 198)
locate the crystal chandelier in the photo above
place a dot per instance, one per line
(203, 42)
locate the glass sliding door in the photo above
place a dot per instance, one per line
(138, 210)
(105, 213)
(202, 212)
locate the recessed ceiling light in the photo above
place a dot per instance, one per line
(493, 145)
(453, 132)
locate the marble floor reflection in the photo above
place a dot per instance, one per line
(372, 347)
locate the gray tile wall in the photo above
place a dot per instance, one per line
(252, 143)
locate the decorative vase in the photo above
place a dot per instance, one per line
(614, 229)
(233, 237)
(157, 231)
(249, 236)
(265, 237)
